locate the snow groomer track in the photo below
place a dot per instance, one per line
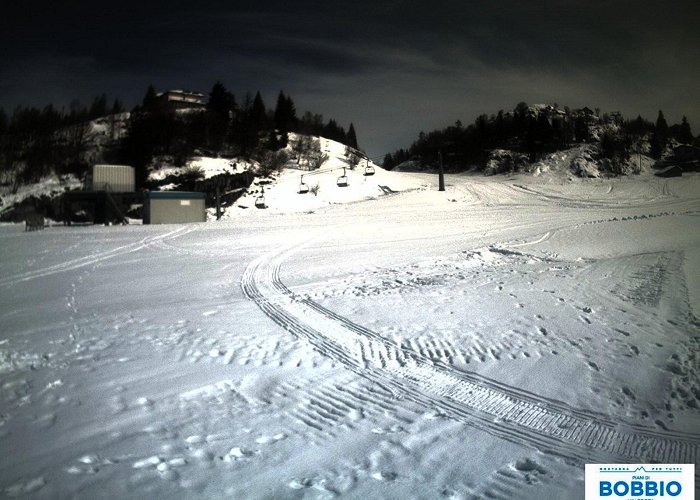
(505, 411)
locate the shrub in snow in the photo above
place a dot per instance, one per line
(502, 161)
(271, 162)
(614, 150)
(315, 189)
(583, 165)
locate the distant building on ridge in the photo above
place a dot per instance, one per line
(183, 99)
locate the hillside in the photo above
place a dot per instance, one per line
(282, 190)
(276, 171)
(518, 140)
(281, 187)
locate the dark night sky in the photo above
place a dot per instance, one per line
(393, 68)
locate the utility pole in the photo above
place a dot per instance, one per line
(441, 174)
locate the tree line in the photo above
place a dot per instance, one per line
(537, 130)
(36, 142)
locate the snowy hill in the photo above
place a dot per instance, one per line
(285, 193)
(296, 188)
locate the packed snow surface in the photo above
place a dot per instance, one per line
(483, 342)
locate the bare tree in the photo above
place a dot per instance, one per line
(317, 159)
(77, 139)
(301, 147)
(353, 160)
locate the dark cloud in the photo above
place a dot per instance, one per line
(393, 68)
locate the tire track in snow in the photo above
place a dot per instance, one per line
(92, 259)
(502, 410)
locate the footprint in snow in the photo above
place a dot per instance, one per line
(299, 484)
(384, 476)
(238, 453)
(194, 439)
(144, 402)
(22, 488)
(271, 439)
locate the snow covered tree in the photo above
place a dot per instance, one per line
(614, 150)
(317, 159)
(353, 158)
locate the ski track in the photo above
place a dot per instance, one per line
(71, 265)
(505, 411)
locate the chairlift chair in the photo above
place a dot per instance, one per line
(342, 180)
(369, 170)
(303, 187)
(260, 200)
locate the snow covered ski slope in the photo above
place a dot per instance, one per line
(484, 342)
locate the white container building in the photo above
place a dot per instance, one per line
(115, 178)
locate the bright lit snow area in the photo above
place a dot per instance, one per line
(483, 342)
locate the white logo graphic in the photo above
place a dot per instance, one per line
(640, 481)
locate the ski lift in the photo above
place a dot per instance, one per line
(260, 200)
(343, 180)
(369, 170)
(303, 187)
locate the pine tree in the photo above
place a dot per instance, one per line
(117, 107)
(220, 109)
(280, 113)
(98, 107)
(388, 163)
(4, 122)
(661, 125)
(221, 101)
(291, 113)
(150, 100)
(660, 137)
(285, 114)
(258, 113)
(684, 134)
(352, 137)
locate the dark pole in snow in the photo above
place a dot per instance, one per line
(441, 174)
(218, 202)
